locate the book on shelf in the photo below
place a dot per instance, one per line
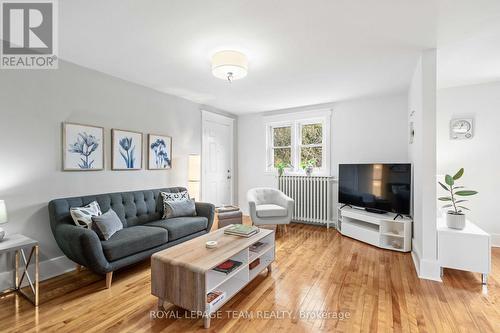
(254, 263)
(241, 230)
(257, 246)
(214, 297)
(227, 266)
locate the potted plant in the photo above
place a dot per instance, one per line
(308, 166)
(281, 166)
(455, 218)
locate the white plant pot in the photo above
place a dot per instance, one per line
(455, 221)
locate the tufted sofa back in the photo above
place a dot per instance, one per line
(133, 208)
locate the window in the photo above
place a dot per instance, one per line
(295, 141)
(311, 145)
(282, 146)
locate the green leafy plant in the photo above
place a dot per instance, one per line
(281, 166)
(454, 193)
(309, 163)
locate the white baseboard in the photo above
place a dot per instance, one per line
(48, 269)
(495, 240)
(426, 269)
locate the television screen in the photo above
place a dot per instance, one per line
(376, 187)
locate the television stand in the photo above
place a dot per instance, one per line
(375, 211)
(381, 230)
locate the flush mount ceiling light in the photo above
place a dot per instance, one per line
(229, 65)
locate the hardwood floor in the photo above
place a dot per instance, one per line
(316, 273)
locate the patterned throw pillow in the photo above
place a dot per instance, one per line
(82, 216)
(172, 197)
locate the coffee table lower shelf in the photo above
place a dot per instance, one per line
(183, 275)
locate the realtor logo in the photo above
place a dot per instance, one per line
(29, 39)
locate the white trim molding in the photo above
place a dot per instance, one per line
(296, 120)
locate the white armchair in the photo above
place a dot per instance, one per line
(269, 206)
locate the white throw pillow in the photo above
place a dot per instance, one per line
(82, 216)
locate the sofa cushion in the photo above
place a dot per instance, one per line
(179, 227)
(132, 240)
(270, 210)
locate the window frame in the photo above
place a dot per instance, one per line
(296, 121)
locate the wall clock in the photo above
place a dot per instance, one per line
(461, 128)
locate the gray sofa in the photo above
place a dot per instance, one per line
(144, 231)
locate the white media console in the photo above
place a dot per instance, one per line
(380, 230)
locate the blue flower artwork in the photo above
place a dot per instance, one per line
(82, 147)
(127, 150)
(160, 151)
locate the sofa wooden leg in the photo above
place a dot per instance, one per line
(109, 277)
(78, 268)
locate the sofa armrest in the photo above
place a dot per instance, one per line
(82, 246)
(206, 210)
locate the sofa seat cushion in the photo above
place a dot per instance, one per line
(133, 240)
(179, 227)
(270, 210)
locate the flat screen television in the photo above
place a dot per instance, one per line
(376, 187)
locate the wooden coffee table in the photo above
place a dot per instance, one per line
(183, 274)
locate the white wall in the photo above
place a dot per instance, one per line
(480, 155)
(33, 106)
(364, 130)
(422, 154)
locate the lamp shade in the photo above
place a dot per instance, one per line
(229, 65)
(3, 212)
(194, 168)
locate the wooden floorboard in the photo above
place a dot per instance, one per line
(317, 272)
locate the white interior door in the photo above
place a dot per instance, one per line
(217, 157)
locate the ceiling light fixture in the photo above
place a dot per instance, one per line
(229, 65)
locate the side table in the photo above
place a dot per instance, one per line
(18, 243)
(229, 215)
(468, 249)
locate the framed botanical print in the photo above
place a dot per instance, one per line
(126, 150)
(159, 152)
(83, 147)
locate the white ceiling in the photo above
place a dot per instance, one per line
(301, 52)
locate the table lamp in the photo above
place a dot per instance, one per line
(3, 218)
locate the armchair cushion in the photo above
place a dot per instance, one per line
(132, 240)
(270, 210)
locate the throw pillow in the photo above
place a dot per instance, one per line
(175, 196)
(172, 197)
(179, 208)
(82, 216)
(106, 224)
